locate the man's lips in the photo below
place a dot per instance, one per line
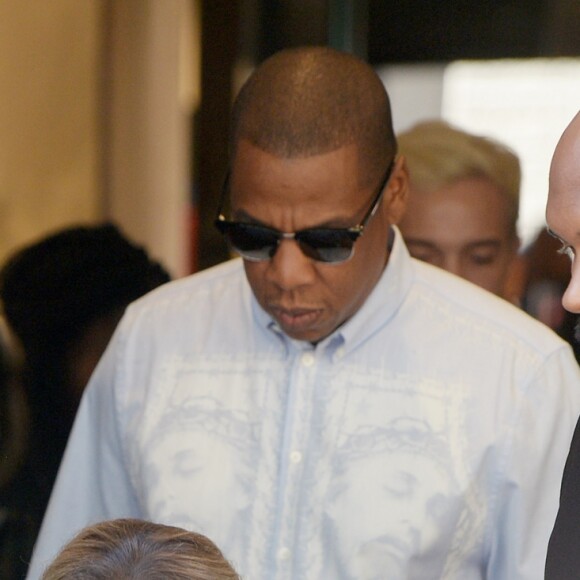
(295, 318)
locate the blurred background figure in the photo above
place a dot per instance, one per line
(17, 530)
(546, 273)
(62, 298)
(462, 216)
(463, 204)
(139, 550)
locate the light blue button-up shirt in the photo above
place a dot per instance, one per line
(424, 439)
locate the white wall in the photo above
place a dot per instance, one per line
(416, 91)
(524, 104)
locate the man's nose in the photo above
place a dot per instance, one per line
(571, 298)
(453, 264)
(290, 268)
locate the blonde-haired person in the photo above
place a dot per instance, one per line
(463, 204)
(132, 549)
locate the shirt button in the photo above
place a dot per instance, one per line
(340, 352)
(295, 457)
(283, 553)
(307, 359)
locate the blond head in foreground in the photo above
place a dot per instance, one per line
(131, 549)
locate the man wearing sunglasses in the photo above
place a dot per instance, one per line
(325, 407)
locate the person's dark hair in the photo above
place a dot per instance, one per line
(53, 289)
(53, 293)
(313, 100)
(131, 549)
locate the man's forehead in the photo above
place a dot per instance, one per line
(347, 162)
(247, 154)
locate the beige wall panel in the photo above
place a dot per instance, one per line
(49, 133)
(148, 125)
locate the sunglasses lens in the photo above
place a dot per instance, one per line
(327, 245)
(250, 241)
(254, 242)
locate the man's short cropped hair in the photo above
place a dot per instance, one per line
(309, 101)
(439, 155)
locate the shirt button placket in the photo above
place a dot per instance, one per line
(295, 457)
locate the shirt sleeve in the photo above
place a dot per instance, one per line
(527, 498)
(93, 483)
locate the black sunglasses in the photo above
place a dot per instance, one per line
(332, 245)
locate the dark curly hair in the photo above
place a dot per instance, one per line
(52, 292)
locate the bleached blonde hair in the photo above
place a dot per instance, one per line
(439, 154)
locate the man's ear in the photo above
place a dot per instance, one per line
(395, 200)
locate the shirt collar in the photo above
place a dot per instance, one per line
(385, 299)
(379, 307)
